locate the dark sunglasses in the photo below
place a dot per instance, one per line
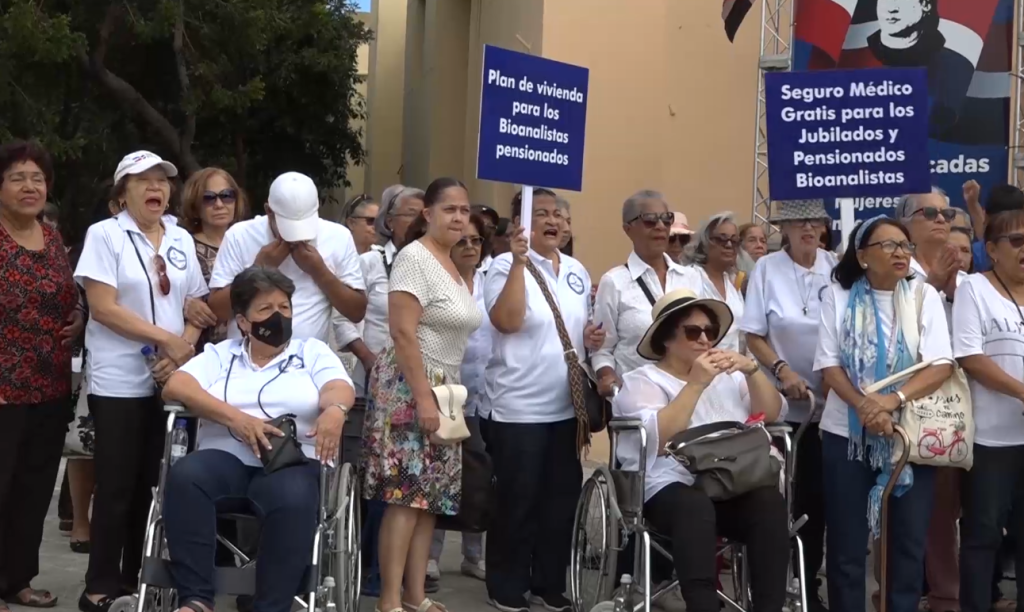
(693, 332)
(227, 196)
(650, 220)
(475, 241)
(368, 220)
(724, 242)
(1016, 240)
(682, 239)
(931, 213)
(161, 272)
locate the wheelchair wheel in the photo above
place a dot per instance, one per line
(592, 565)
(341, 557)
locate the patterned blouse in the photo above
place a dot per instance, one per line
(207, 256)
(37, 295)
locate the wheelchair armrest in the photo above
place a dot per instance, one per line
(777, 430)
(178, 411)
(624, 424)
(174, 408)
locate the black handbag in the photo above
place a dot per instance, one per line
(727, 459)
(285, 451)
(478, 494)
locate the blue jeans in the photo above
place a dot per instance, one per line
(846, 487)
(286, 503)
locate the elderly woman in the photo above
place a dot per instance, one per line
(626, 293)
(360, 217)
(431, 315)
(212, 202)
(753, 241)
(679, 236)
(538, 300)
(40, 319)
(715, 260)
(987, 329)
(694, 383)
(235, 387)
(780, 320)
(870, 329)
(565, 242)
(138, 270)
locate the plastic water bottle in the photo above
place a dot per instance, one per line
(179, 440)
(623, 598)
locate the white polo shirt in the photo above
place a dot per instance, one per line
(311, 310)
(373, 329)
(526, 380)
(290, 384)
(115, 363)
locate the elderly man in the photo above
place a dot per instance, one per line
(317, 255)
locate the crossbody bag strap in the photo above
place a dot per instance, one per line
(563, 333)
(149, 281)
(643, 287)
(387, 266)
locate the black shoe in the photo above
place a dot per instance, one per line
(86, 605)
(65, 525)
(244, 603)
(431, 586)
(815, 603)
(81, 547)
(552, 603)
(512, 604)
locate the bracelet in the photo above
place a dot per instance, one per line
(343, 407)
(777, 367)
(903, 398)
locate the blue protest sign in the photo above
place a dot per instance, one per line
(847, 133)
(533, 117)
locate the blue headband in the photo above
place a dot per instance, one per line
(864, 227)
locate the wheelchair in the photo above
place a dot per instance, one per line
(331, 581)
(610, 512)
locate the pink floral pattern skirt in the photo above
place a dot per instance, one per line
(400, 465)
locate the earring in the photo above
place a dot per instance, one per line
(864, 265)
(122, 205)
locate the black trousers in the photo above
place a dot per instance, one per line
(65, 509)
(31, 443)
(539, 478)
(130, 434)
(988, 493)
(809, 499)
(692, 522)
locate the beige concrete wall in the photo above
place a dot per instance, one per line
(385, 95)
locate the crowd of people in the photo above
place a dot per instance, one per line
(421, 289)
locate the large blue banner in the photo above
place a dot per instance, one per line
(533, 117)
(847, 133)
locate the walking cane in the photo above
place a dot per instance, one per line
(883, 548)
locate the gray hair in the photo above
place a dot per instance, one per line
(700, 253)
(562, 204)
(907, 204)
(631, 207)
(255, 280)
(389, 200)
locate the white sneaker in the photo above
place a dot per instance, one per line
(474, 570)
(433, 573)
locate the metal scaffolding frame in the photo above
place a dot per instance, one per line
(1016, 169)
(776, 55)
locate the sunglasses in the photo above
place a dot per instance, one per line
(475, 241)
(1016, 240)
(931, 213)
(724, 242)
(161, 272)
(694, 332)
(227, 197)
(368, 220)
(681, 239)
(650, 220)
(889, 246)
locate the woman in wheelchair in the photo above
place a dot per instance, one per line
(692, 383)
(235, 387)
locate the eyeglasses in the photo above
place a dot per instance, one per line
(473, 241)
(725, 242)
(650, 220)
(815, 223)
(693, 332)
(681, 239)
(227, 197)
(889, 246)
(161, 272)
(368, 220)
(931, 213)
(1016, 240)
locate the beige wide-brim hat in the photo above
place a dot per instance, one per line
(675, 301)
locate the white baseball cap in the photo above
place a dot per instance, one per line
(295, 202)
(140, 161)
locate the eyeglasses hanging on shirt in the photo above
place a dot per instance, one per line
(161, 271)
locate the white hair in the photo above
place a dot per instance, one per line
(631, 207)
(700, 253)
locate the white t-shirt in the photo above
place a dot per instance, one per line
(116, 365)
(527, 380)
(934, 342)
(733, 298)
(290, 384)
(787, 311)
(373, 329)
(646, 391)
(311, 310)
(478, 353)
(916, 266)
(986, 323)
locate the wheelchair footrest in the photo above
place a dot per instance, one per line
(227, 580)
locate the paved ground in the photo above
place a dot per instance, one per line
(63, 573)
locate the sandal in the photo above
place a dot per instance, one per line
(36, 599)
(80, 546)
(424, 606)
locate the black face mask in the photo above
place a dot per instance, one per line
(275, 330)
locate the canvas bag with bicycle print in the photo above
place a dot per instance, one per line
(941, 425)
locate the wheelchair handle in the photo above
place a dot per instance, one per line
(811, 414)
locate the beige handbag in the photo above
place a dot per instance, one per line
(451, 404)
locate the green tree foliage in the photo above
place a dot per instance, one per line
(258, 87)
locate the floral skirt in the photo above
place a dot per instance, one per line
(400, 465)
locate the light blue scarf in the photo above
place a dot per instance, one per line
(862, 352)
